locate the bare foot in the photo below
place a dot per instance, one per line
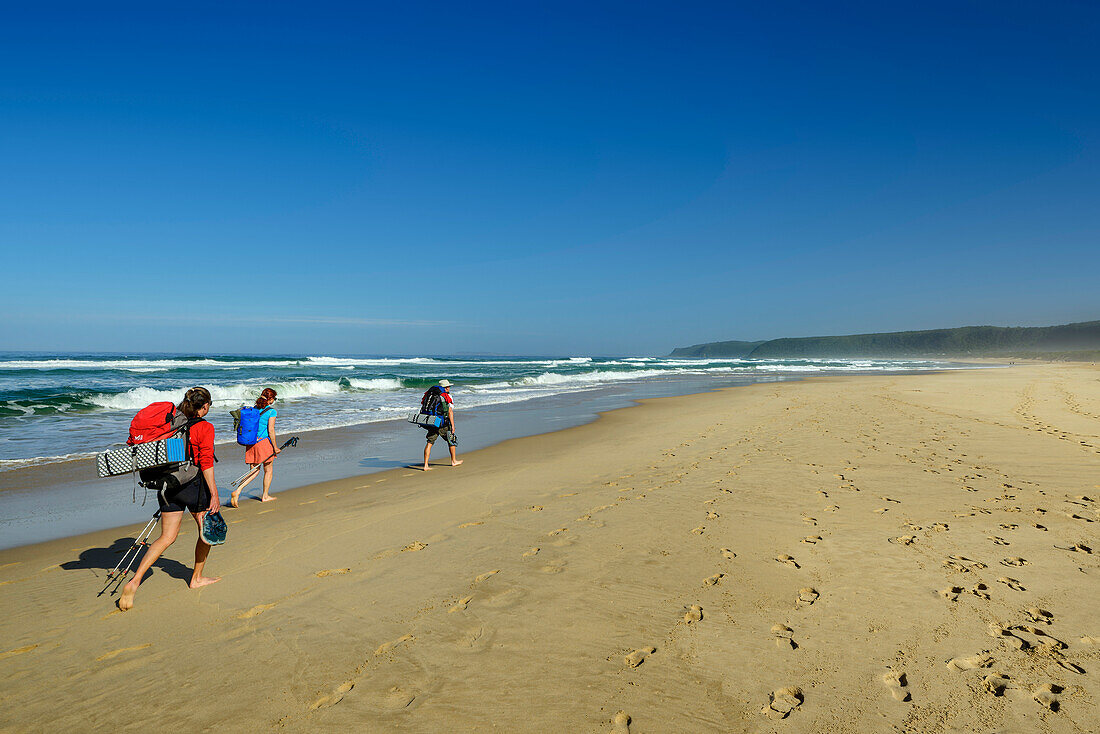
(427, 468)
(203, 581)
(233, 499)
(126, 601)
(268, 498)
(457, 462)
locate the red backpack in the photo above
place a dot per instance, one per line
(152, 422)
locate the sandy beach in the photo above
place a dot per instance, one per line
(857, 554)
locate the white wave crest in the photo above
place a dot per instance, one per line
(139, 397)
(378, 383)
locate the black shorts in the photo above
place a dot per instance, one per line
(193, 497)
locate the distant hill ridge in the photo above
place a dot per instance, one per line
(964, 341)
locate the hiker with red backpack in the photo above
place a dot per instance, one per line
(197, 495)
(437, 401)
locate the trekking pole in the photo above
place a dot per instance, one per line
(289, 442)
(114, 576)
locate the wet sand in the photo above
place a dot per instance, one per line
(905, 553)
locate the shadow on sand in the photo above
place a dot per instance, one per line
(105, 559)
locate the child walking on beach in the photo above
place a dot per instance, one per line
(198, 496)
(264, 450)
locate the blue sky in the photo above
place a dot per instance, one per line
(560, 178)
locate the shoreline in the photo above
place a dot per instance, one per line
(521, 581)
(65, 499)
(80, 502)
(77, 470)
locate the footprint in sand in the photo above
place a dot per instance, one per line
(1015, 561)
(487, 574)
(1037, 526)
(1046, 695)
(1003, 633)
(1076, 548)
(1039, 615)
(809, 520)
(971, 662)
(713, 580)
(807, 595)
(535, 508)
(728, 554)
(939, 526)
(832, 508)
(895, 681)
(531, 552)
(713, 516)
(331, 572)
(694, 613)
(981, 591)
(559, 531)
(996, 683)
(1011, 583)
(471, 524)
(1038, 637)
(568, 494)
(1008, 526)
(255, 611)
(416, 546)
(553, 567)
(904, 540)
(962, 563)
(1085, 640)
(398, 698)
(620, 723)
(784, 637)
(699, 530)
(789, 560)
(333, 698)
(460, 605)
(951, 593)
(385, 647)
(811, 539)
(637, 657)
(998, 540)
(782, 702)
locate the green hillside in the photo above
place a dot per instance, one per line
(974, 341)
(717, 349)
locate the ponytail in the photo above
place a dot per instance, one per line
(267, 397)
(193, 401)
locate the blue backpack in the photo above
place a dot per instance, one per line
(248, 425)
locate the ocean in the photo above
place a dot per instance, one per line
(60, 407)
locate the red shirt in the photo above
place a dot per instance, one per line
(202, 444)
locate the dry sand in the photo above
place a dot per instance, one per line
(902, 553)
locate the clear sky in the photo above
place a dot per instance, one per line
(541, 178)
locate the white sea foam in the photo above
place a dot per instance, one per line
(139, 397)
(377, 383)
(135, 364)
(37, 460)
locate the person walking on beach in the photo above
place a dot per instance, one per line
(198, 496)
(443, 406)
(264, 450)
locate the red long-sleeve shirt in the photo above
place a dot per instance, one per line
(202, 444)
